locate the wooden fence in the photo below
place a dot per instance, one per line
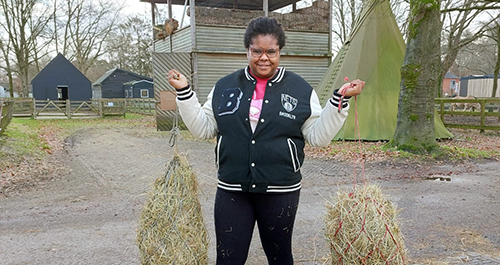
(29, 107)
(484, 115)
(141, 105)
(480, 113)
(5, 114)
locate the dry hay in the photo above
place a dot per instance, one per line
(361, 228)
(171, 229)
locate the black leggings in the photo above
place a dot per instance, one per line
(235, 217)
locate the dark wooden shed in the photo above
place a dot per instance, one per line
(139, 89)
(110, 84)
(61, 80)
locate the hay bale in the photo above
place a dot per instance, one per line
(361, 228)
(171, 229)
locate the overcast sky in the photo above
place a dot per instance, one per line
(138, 7)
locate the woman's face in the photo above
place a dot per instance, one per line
(263, 56)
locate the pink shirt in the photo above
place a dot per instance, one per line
(256, 103)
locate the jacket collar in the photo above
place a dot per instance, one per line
(276, 79)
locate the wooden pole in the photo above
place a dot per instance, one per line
(68, 108)
(34, 108)
(194, 48)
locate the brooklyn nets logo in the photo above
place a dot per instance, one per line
(288, 102)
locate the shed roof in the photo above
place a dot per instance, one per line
(233, 4)
(490, 76)
(137, 81)
(59, 60)
(450, 75)
(110, 72)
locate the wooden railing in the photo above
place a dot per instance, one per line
(141, 105)
(5, 114)
(23, 107)
(480, 113)
(29, 107)
(111, 106)
(483, 115)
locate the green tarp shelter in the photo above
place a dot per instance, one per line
(374, 53)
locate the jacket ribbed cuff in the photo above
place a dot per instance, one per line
(184, 93)
(336, 98)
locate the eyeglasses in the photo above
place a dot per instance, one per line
(258, 52)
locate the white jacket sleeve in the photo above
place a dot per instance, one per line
(198, 119)
(323, 124)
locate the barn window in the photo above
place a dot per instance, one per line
(144, 93)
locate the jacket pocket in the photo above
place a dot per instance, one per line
(294, 155)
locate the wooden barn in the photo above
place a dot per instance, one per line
(212, 45)
(139, 89)
(480, 86)
(61, 80)
(111, 83)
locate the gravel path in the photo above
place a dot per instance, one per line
(90, 215)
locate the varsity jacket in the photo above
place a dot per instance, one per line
(269, 159)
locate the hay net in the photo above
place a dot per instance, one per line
(361, 225)
(362, 228)
(171, 228)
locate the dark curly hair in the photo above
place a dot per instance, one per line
(264, 26)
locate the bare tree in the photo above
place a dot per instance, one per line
(400, 9)
(420, 76)
(493, 33)
(83, 27)
(457, 18)
(128, 46)
(477, 58)
(24, 21)
(344, 13)
(7, 67)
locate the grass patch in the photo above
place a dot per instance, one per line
(459, 153)
(35, 138)
(22, 138)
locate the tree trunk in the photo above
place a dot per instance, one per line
(497, 65)
(419, 77)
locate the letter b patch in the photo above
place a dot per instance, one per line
(230, 101)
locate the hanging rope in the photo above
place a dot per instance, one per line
(356, 129)
(175, 132)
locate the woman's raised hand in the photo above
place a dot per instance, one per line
(176, 79)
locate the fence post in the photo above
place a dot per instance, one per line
(33, 102)
(483, 114)
(125, 108)
(99, 102)
(442, 110)
(68, 108)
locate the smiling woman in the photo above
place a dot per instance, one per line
(262, 114)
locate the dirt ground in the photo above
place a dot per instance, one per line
(449, 212)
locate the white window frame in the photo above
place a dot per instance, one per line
(147, 93)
